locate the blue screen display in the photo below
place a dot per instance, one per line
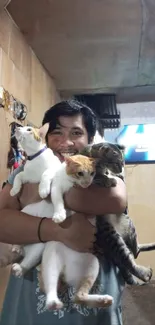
(139, 141)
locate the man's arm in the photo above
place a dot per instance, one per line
(98, 200)
(17, 227)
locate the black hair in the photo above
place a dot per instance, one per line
(71, 107)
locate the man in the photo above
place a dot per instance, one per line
(72, 127)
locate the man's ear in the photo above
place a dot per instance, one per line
(43, 130)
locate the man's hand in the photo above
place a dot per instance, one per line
(80, 235)
(77, 233)
(29, 194)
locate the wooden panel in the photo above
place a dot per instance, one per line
(43, 92)
(5, 31)
(4, 146)
(15, 76)
(140, 186)
(4, 277)
(3, 3)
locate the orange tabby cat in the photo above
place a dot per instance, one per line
(80, 270)
(76, 170)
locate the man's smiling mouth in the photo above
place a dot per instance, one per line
(66, 154)
(63, 154)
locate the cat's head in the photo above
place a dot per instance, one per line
(112, 155)
(81, 169)
(30, 137)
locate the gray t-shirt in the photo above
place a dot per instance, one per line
(24, 303)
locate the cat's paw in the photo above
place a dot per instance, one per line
(17, 270)
(59, 217)
(104, 301)
(53, 303)
(113, 182)
(110, 182)
(17, 249)
(94, 300)
(146, 274)
(14, 191)
(44, 190)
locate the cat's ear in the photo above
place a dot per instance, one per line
(43, 130)
(71, 165)
(94, 161)
(68, 160)
(121, 147)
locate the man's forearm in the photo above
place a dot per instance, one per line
(19, 228)
(96, 200)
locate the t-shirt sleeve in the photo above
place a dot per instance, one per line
(14, 173)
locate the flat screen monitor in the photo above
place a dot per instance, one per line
(139, 141)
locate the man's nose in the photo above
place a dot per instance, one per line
(66, 141)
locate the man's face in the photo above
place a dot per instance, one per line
(68, 137)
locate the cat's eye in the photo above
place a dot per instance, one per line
(29, 129)
(80, 174)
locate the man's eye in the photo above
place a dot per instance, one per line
(56, 132)
(77, 133)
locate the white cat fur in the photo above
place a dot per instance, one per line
(33, 171)
(79, 269)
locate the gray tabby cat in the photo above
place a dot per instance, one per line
(117, 234)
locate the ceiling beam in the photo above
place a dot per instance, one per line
(123, 95)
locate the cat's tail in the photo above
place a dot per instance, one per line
(145, 248)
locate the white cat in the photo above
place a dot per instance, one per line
(32, 252)
(79, 269)
(76, 170)
(40, 159)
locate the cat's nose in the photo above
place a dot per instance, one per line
(85, 185)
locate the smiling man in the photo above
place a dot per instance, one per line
(72, 127)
